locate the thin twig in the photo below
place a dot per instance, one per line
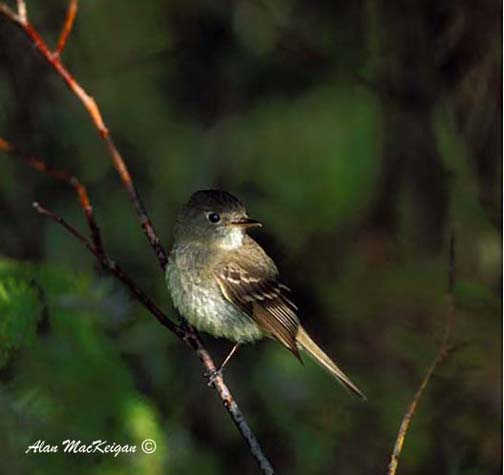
(65, 177)
(67, 27)
(190, 335)
(10, 14)
(443, 352)
(73, 231)
(21, 7)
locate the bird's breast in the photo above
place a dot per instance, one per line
(196, 295)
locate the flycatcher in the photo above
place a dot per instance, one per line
(224, 283)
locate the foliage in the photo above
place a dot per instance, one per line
(70, 381)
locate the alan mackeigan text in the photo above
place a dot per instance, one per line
(79, 447)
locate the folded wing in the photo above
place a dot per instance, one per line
(257, 292)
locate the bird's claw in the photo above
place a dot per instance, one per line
(213, 375)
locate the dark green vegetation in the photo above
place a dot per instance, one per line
(360, 133)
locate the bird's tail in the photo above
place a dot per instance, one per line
(305, 343)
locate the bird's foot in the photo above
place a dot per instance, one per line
(213, 375)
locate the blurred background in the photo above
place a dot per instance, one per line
(360, 133)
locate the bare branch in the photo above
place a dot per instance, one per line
(21, 7)
(10, 14)
(443, 352)
(67, 26)
(65, 177)
(58, 219)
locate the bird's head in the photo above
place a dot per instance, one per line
(215, 217)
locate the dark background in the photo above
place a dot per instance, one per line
(360, 133)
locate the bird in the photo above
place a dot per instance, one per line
(223, 283)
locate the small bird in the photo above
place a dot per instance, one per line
(223, 283)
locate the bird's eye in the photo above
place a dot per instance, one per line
(214, 217)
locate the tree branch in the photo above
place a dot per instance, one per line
(65, 177)
(67, 27)
(443, 352)
(188, 335)
(21, 7)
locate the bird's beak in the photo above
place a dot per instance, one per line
(246, 223)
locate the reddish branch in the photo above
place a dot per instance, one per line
(443, 352)
(60, 175)
(95, 246)
(68, 25)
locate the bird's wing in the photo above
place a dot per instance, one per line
(255, 290)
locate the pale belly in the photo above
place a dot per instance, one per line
(206, 309)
